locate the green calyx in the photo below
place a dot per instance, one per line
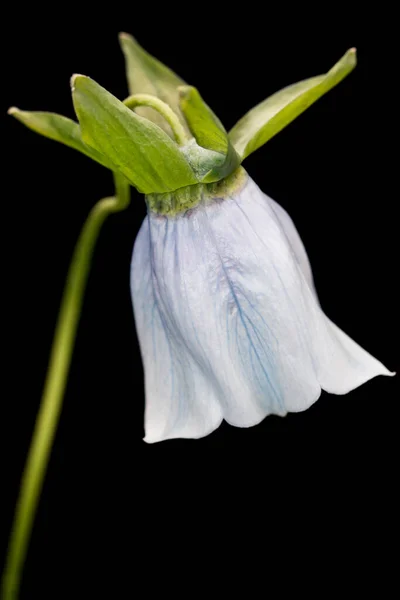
(164, 137)
(172, 204)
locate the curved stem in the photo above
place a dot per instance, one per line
(50, 408)
(164, 109)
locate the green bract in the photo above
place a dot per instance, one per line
(58, 128)
(138, 148)
(147, 75)
(268, 118)
(164, 137)
(209, 133)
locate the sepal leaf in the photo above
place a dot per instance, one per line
(147, 75)
(209, 133)
(269, 117)
(136, 147)
(58, 128)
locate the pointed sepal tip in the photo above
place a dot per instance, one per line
(75, 77)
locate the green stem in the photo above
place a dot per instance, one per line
(164, 110)
(50, 408)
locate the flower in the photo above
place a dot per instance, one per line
(228, 319)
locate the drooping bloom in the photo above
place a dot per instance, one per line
(228, 319)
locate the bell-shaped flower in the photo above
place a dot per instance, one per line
(228, 319)
(227, 315)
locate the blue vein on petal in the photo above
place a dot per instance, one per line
(254, 328)
(241, 314)
(305, 345)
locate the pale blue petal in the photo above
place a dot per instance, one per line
(344, 365)
(294, 240)
(228, 320)
(180, 401)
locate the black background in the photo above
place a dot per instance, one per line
(115, 512)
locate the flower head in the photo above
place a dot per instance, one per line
(229, 323)
(228, 319)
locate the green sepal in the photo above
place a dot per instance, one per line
(136, 147)
(231, 162)
(265, 120)
(147, 75)
(209, 133)
(58, 128)
(202, 161)
(203, 123)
